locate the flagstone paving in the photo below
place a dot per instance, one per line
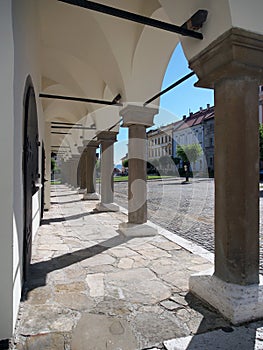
(91, 288)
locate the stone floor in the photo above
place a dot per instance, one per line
(186, 210)
(93, 289)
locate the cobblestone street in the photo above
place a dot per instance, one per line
(187, 210)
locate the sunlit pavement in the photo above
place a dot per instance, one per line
(187, 210)
(91, 288)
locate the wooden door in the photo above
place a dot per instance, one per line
(30, 171)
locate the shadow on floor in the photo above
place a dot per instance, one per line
(64, 195)
(225, 337)
(69, 202)
(38, 271)
(68, 218)
(176, 184)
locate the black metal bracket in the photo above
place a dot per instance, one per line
(130, 16)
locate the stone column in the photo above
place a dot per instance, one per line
(89, 170)
(137, 119)
(66, 172)
(70, 173)
(74, 167)
(233, 66)
(107, 139)
(81, 173)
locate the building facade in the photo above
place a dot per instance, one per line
(160, 141)
(192, 131)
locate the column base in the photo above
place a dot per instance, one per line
(82, 190)
(237, 303)
(107, 207)
(137, 230)
(91, 196)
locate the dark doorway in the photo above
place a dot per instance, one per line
(30, 170)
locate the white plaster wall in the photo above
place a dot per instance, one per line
(6, 161)
(26, 60)
(222, 15)
(247, 14)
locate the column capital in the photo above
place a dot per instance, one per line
(91, 143)
(81, 149)
(134, 114)
(110, 136)
(235, 54)
(75, 156)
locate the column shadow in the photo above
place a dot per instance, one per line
(38, 271)
(68, 202)
(215, 332)
(68, 218)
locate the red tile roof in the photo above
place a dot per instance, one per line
(196, 118)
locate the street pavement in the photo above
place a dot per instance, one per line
(185, 209)
(90, 288)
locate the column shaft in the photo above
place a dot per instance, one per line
(107, 139)
(82, 170)
(236, 181)
(89, 170)
(90, 159)
(107, 171)
(137, 186)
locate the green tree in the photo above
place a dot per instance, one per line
(189, 154)
(125, 163)
(176, 160)
(53, 165)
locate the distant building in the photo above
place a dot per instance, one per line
(160, 141)
(198, 127)
(209, 139)
(191, 131)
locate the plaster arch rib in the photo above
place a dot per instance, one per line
(84, 40)
(150, 60)
(122, 35)
(70, 71)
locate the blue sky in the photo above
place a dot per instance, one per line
(174, 104)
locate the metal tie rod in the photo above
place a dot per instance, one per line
(62, 123)
(81, 99)
(178, 82)
(72, 127)
(60, 133)
(130, 16)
